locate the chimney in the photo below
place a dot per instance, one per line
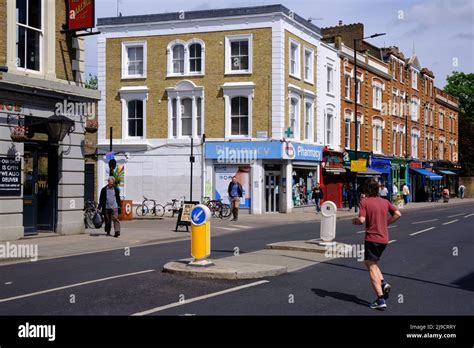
(340, 22)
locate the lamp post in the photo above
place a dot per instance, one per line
(356, 95)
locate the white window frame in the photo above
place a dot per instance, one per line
(185, 90)
(394, 138)
(377, 130)
(329, 122)
(128, 94)
(330, 79)
(347, 86)
(415, 106)
(347, 129)
(394, 69)
(441, 148)
(311, 65)
(414, 79)
(359, 90)
(402, 67)
(377, 95)
(360, 122)
(309, 119)
(125, 46)
(415, 138)
(232, 38)
(402, 139)
(296, 130)
(186, 68)
(297, 73)
(238, 89)
(441, 119)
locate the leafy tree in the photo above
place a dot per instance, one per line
(461, 85)
(91, 82)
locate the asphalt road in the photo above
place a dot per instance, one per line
(431, 272)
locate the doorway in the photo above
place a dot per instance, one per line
(40, 183)
(272, 192)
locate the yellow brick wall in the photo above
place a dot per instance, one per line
(3, 32)
(64, 51)
(298, 82)
(157, 82)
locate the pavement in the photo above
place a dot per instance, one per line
(428, 263)
(161, 231)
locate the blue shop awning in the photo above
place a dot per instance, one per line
(427, 174)
(447, 172)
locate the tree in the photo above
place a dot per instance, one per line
(91, 82)
(461, 85)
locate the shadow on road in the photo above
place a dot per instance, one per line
(341, 296)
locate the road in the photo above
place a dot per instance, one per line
(429, 264)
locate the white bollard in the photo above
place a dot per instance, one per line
(328, 223)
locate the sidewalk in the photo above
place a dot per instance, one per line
(158, 231)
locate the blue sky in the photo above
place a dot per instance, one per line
(440, 31)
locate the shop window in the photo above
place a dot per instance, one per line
(303, 182)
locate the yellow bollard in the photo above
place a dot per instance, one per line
(200, 236)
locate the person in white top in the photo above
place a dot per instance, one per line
(406, 193)
(461, 190)
(394, 192)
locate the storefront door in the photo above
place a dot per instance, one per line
(272, 192)
(39, 188)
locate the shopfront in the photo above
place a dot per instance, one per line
(333, 176)
(276, 176)
(399, 169)
(450, 174)
(383, 166)
(425, 184)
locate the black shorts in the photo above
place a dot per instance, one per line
(373, 251)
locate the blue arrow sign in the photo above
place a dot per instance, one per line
(198, 216)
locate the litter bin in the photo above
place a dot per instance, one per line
(328, 221)
(127, 211)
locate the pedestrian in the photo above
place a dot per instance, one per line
(373, 212)
(383, 192)
(395, 192)
(406, 193)
(109, 203)
(235, 193)
(317, 196)
(350, 195)
(445, 195)
(461, 191)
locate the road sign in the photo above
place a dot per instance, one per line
(198, 215)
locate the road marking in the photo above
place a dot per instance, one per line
(423, 222)
(73, 286)
(360, 232)
(199, 298)
(450, 216)
(241, 226)
(392, 241)
(426, 230)
(450, 222)
(469, 215)
(8, 283)
(227, 228)
(392, 226)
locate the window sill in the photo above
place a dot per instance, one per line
(309, 82)
(238, 72)
(297, 77)
(185, 75)
(330, 95)
(138, 77)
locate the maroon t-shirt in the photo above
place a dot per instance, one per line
(375, 210)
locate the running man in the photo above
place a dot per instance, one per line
(373, 212)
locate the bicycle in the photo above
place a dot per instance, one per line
(174, 206)
(217, 208)
(150, 205)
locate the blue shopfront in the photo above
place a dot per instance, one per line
(382, 165)
(276, 176)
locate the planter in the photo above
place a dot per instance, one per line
(91, 129)
(19, 138)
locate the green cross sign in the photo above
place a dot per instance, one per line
(289, 132)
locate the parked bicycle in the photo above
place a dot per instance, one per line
(149, 206)
(217, 208)
(174, 206)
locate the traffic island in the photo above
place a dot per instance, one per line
(223, 269)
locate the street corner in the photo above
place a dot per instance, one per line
(223, 269)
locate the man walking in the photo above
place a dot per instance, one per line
(395, 192)
(373, 212)
(235, 193)
(109, 203)
(406, 193)
(317, 196)
(461, 191)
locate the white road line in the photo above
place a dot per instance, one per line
(469, 215)
(392, 226)
(450, 216)
(422, 222)
(360, 232)
(228, 228)
(450, 222)
(392, 241)
(199, 298)
(241, 226)
(426, 230)
(73, 285)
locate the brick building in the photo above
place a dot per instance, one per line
(42, 168)
(403, 117)
(257, 82)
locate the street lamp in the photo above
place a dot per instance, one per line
(58, 127)
(355, 112)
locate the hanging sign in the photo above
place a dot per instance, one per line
(80, 14)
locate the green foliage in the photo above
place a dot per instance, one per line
(92, 82)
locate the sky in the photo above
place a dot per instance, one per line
(441, 32)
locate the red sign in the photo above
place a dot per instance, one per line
(417, 165)
(81, 14)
